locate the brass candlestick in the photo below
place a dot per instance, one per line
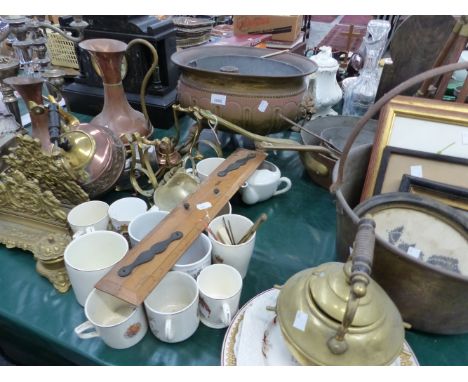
(9, 67)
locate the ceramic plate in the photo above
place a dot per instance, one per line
(266, 346)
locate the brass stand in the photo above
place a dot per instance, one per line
(36, 193)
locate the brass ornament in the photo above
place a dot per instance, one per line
(48, 169)
(36, 193)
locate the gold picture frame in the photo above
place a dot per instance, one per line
(426, 125)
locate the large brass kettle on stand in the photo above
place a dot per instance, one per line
(335, 314)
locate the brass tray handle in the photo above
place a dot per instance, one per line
(362, 258)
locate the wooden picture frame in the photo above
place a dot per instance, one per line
(397, 162)
(424, 125)
(453, 196)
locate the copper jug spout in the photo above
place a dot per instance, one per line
(30, 89)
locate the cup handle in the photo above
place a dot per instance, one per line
(286, 180)
(80, 329)
(226, 314)
(168, 330)
(86, 230)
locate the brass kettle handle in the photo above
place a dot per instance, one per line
(362, 258)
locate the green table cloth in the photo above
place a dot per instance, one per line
(37, 322)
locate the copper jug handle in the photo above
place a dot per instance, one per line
(362, 258)
(148, 74)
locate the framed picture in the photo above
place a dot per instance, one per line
(453, 196)
(425, 125)
(397, 162)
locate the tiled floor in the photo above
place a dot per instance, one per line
(318, 30)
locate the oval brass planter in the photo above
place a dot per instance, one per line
(237, 84)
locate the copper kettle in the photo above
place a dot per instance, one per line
(335, 314)
(93, 155)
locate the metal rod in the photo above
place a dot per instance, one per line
(274, 53)
(331, 146)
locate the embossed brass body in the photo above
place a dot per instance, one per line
(335, 314)
(252, 96)
(36, 193)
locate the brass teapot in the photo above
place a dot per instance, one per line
(335, 314)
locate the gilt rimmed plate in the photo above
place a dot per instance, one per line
(267, 347)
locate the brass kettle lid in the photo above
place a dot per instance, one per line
(335, 314)
(329, 289)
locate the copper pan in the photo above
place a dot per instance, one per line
(429, 298)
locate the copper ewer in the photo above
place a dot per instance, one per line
(30, 89)
(117, 114)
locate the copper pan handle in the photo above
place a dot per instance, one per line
(380, 103)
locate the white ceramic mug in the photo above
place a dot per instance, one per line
(143, 224)
(237, 255)
(89, 257)
(206, 166)
(226, 210)
(119, 324)
(124, 210)
(172, 307)
(220, 287)
(264, 183)
(194, 259)
(92, 214)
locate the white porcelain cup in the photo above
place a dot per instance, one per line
(226, 210)
(172, 307)
(194, 259)
(89, 257)
(143, 224)
(237, 255)
(220, 287)
(119, 324)
(124, 210)
(264, 183)
(93, 215)
(206, 166)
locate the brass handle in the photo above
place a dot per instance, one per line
(362, 258)
(312, 164)
(148, 74)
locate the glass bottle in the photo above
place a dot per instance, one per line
(361, 93)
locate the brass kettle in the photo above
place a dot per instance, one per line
(335, 314)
